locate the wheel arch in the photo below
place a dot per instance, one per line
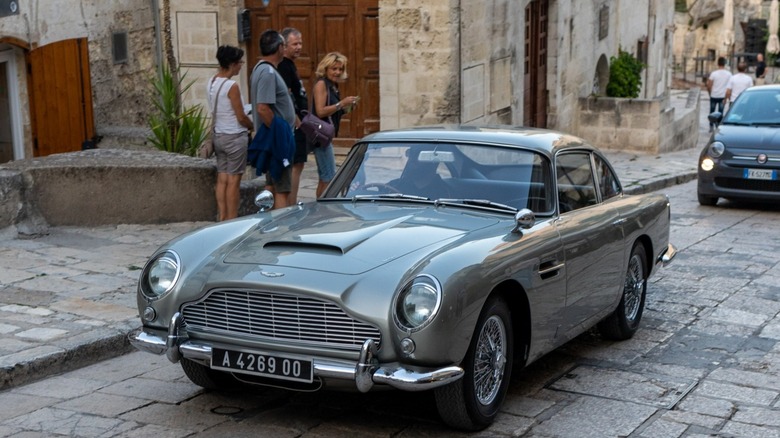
(647, 244)
(515, 296)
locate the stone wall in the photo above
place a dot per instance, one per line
(105, 186)
(649, 126)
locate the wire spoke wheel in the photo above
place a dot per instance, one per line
(490, 360)
(472, 403)
(634, 287)
(624, 321)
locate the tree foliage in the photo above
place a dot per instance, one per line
(625, 75)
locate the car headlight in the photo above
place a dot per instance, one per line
(716, 149)
(418, 303)
(160, 274)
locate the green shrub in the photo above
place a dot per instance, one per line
(625, 75)
(175, 128)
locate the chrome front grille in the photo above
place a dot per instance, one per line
(277, 316)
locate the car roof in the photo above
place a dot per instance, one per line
(541, 140)
(755, 88)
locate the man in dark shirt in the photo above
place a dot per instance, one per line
(289, 72)
(760, 69)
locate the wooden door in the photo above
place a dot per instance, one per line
(535, 92)
(347, 26)
(60, 97)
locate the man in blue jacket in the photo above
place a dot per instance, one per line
(274, 147)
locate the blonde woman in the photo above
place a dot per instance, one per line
(329, 106)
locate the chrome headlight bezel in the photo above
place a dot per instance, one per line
(423, 291)
(151, 285)
(716, 149)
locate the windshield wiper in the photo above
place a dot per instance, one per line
(389, 196)
(737, 123)
(765, 123)
(477, 202)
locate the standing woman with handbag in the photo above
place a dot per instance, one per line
(231, 127)
(329, 106)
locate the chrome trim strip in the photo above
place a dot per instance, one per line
(753, 158)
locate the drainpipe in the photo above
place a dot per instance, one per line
(459, 63)
(155, 4)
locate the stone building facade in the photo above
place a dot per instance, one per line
(699, 34)
(120, 89)
(440, 61)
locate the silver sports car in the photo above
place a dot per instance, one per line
(439, 258)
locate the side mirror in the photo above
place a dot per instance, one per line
(264, 200)
(524, 219)
(715, 117)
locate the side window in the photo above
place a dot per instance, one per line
(608, 182)
(576, 188)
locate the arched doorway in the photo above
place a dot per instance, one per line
(347, 26)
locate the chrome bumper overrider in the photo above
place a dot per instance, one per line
(365, 373)
(667, 256)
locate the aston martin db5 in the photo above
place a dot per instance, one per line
(439, 258)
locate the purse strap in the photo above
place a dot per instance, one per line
(216, 101)
(313, 105)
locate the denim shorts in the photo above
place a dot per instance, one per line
(326, 162)
(284, 184)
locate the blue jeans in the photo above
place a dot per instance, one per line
(716, 102)
(326, 162)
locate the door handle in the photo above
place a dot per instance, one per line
(549, 269)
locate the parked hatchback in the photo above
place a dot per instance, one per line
(742, 158)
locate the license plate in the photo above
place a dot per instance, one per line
(767, 174)
(261, 364)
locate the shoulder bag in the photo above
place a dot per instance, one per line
(206, 149)
(318, 132)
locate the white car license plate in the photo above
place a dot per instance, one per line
(768, 174)
(261, 364)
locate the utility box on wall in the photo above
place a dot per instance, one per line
(9, 7)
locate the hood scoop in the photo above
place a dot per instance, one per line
(349, 239)
(303, 246)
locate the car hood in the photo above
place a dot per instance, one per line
(749, 137)
(351, 238)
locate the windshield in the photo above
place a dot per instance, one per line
(755, 107)
(488, 176)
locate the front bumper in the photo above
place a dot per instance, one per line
(365, 373)
(727, 180)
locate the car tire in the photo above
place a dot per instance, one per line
(205, 377)
(472, 402)
(624, 321)
(707, 200)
